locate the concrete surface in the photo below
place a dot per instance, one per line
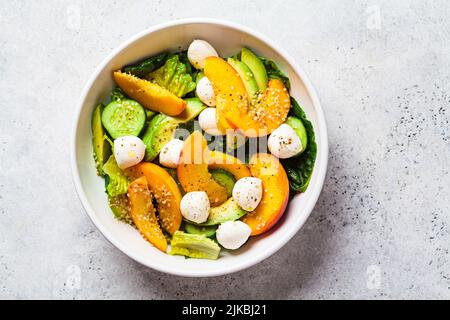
(381, 226)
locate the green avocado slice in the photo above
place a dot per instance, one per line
(159, 132)
(257, 67)
(207, 231)
(225, 179)
(227, 211)
(120, 207)
(246, 75)
(161, 128)
(102, 148)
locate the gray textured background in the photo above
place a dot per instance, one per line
(381, 226)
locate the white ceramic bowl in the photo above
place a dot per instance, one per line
(227, 38)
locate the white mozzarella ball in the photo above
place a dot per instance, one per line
(198, 51)
(205, 92)
(233, 234)
(170, 153)
(247, 192)
(284, 143)
(128, 151)
(208, 122)
(195, 206)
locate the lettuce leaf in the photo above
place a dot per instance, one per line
(175, 76)
(116, 181)
(189, 67)
(299, 169)
(194, 246)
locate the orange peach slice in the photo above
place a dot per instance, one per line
(150, 95)
(165, 190)
(231, 95)
(235, 111)
(193, 171)
(272, 111)
(143, 213)
(275, 193)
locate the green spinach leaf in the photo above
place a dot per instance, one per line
(299, 169)
(189, 67)
(118, 94)
(273, 72)
(146, 66)
(116, 182)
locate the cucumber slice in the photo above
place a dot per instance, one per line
(123, 118)
(207, 231)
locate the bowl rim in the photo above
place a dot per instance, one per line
(321, 166)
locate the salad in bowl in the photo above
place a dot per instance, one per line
(200, 152)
